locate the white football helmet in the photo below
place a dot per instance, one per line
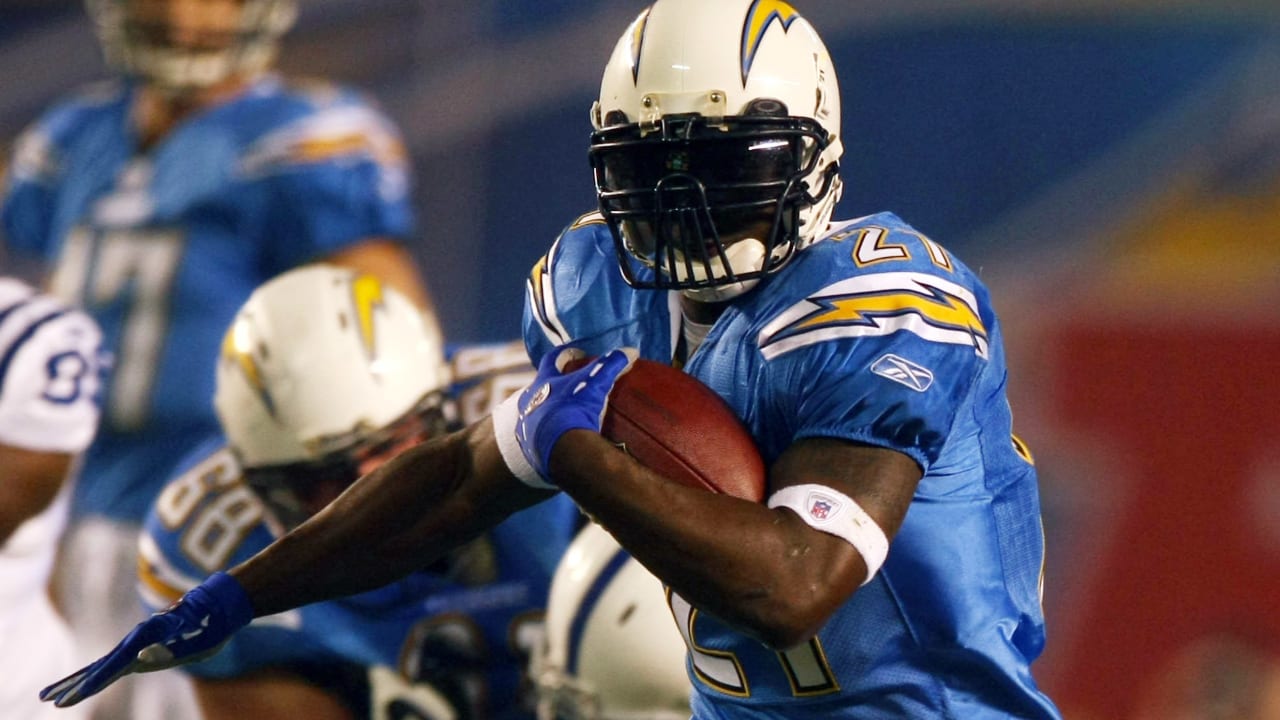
(140, 38)
(322, 368)
(612, 650)
(716, 143)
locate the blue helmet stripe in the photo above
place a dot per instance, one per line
(579, 624)
(24, 336)
(9, 310)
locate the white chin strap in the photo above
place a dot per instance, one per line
(720, 293)
(746, 255)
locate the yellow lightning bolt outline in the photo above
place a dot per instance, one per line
(759, 18)
(947, 311)
(536, 278)
(236, 348)
(367, 296)
(637, 42)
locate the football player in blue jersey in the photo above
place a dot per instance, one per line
(158, 201)
(895, 569)
(323, 375)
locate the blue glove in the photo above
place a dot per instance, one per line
(193, 628)
(557, 402)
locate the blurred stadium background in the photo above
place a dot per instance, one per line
(1113, 168)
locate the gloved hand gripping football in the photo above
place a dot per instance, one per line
(557, 402)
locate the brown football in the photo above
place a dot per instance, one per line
(681, 429)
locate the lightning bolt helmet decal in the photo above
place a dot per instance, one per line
(760, 16)
(637, 43)
(366, 296)
(237, 349)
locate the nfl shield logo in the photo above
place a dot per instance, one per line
(820, 509)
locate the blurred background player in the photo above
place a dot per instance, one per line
(325, 374)
(49, 375)
(610, 651)
(159, 201)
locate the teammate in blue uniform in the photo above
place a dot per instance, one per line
(158, 201)
(324, 374)
(894, 571)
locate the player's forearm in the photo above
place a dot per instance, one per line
(399, 518)
(755, 568)
(343, 549)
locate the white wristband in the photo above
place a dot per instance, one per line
(835, 513)
(505, 416)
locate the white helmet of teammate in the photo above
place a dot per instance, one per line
(717, 143)
(321, 368)
(612, 650)
(145, 39)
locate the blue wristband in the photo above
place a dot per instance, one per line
(227, 594)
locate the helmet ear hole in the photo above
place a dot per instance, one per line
(615, 117)
(766, 107)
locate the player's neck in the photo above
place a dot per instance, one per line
(157, 112)
(704, 313)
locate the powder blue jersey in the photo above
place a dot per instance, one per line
(875, 334)
(162, 245)
(455, 637)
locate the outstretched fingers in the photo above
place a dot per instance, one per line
(91, 679)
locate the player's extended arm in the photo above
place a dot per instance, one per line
(764, 570)
(399, 518)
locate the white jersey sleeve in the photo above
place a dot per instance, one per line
(50, 372)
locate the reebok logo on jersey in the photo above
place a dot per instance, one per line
(903, 371)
